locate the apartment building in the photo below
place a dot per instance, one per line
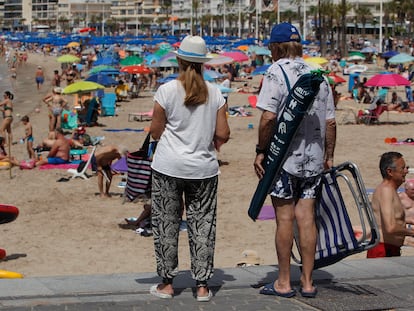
(142, 15)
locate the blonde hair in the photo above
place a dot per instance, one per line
(191, 77)
(288, 49)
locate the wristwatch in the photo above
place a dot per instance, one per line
(260, 151)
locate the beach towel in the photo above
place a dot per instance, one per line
(267, 213)
(64, 166)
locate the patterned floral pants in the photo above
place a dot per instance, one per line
(200, 201)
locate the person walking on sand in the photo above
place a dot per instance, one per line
(7, 107)
(39, 77)
(311, 151)
(55, 102)
(190, 122)
(28, 136)
(388, 208)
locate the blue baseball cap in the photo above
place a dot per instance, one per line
(284, 32)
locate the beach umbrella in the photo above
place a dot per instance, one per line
(103, 79)
(136, 69)
(218, 60)
(68, 58)
(369, 49)
(166, 63)
(401, 59)
(133, 48)
(100, 68)
(131, 60)
(105, 61)
(356, 53)
(336, 79)
(243, 48)
(259, 50)
(387, 80)
(354, 58)
(86, 29)
(211, 75)
(82, 87)
(317, 60)
(222, 88)
(238, 57)
(389, 54)
(73, 44)
(168, 78)
(260, 70)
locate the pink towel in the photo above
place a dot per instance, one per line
(64, 166)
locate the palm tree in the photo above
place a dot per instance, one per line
(288, 16)
(362, 14)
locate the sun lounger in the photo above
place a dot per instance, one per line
(140, 116)
(336, 237)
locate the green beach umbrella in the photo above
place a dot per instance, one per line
(100, 68)
(68, 58)
(131, 60)
(82, 87)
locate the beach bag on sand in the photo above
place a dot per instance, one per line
(27, 164)
(139, 171)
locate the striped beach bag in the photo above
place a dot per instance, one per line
(139, 172)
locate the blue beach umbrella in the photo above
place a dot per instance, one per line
(260, 70)
(211, 75)
(102, 79)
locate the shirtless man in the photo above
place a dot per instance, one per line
(59, 152)
(39, 77)
(104, 157)
(407, 200)
(388, 209)
(55, 102)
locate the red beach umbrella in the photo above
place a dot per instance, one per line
(136, 69)
(236, 56)
(335, 78)
(87, 29)
(387, 80)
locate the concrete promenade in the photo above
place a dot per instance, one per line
(375, 284)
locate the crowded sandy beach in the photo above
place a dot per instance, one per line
(66, 228)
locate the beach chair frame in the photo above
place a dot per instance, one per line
(336, 238)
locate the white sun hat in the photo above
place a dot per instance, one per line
(193, 49)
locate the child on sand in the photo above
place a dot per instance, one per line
(28, 132)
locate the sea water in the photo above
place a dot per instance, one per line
(23, 88)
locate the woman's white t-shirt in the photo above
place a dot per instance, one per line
(185, 148)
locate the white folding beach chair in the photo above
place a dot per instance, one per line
(81, 171)
(336, 237)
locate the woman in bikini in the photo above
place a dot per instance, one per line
(7, 107)
(55, 103)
